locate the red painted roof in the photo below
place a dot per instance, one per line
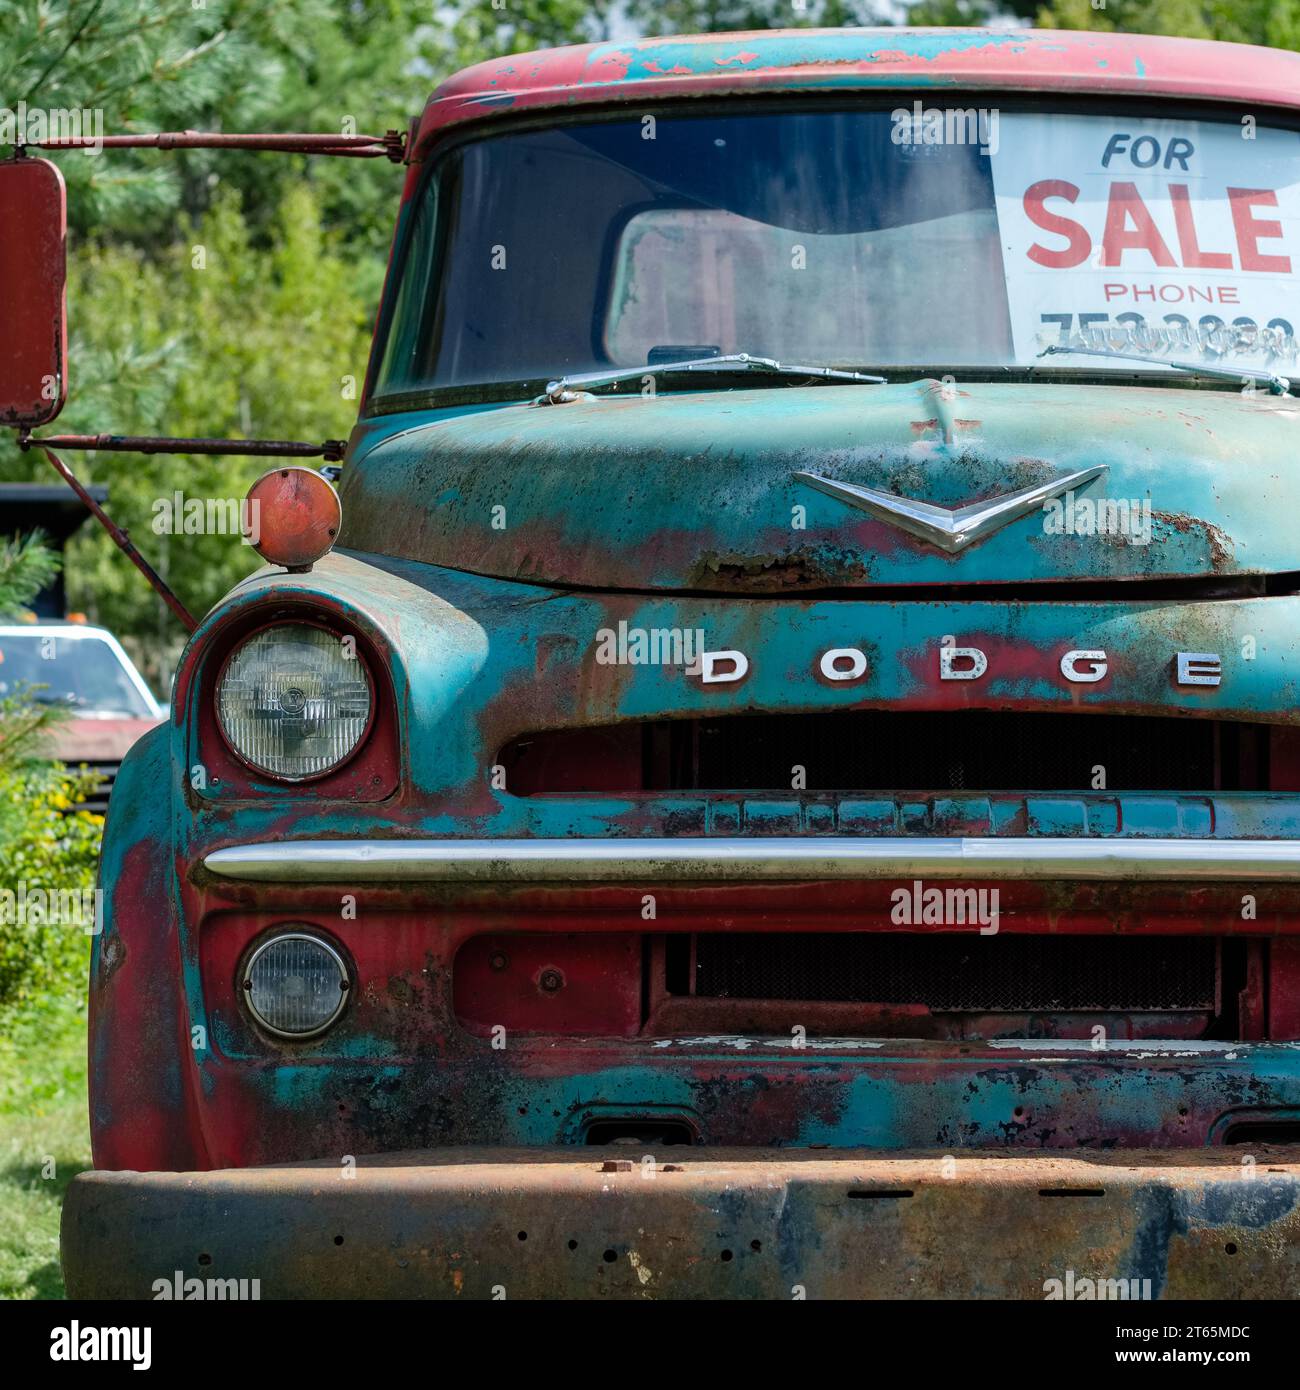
(820, 59)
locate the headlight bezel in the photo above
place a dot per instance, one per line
(288, 931)
(334, 630)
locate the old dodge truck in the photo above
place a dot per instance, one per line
(789, 783)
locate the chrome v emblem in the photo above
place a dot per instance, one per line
(950, 530)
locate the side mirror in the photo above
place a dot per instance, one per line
(33, 292)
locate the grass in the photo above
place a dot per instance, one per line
(44, 1141)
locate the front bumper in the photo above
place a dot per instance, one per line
(776, 1223)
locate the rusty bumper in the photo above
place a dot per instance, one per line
(566, 1223)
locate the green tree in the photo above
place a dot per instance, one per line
(729, 16)
(478, 30)
(217, 293)
(1272, 22)
(214, 335)
(227, 65)
(249, 65)
(1275, 23)
(26, 567)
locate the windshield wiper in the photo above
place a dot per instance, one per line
(561, 390)
(1277, 385)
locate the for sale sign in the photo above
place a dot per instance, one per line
(1170, 237)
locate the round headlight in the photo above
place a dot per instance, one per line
(295, 984)
(294, 701)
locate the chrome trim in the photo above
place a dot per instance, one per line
(740, 860)
(951, 529)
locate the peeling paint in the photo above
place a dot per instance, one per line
(863, 58)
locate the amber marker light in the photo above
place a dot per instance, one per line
(292, 516)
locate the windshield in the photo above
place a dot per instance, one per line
(851, 238)
(82, 672)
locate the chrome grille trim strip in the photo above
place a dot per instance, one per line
(758, 859)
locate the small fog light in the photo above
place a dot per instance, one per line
(295, 984)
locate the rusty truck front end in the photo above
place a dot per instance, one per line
(790, 784)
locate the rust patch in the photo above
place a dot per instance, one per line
(1216, 539)
(112, 959)
(792, 570)
(949, 428)
(727, 1223)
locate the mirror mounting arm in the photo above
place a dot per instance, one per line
(330, 449)
(123, 542)
(392, 145)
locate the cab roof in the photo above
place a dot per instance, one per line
(1027, 60)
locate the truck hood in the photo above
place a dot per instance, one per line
(740, 491)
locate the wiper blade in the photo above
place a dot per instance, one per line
(1277, 384)
(561, 390)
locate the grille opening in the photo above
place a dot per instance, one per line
(889, 752)
(1234, 986)
(638, 1129)
(677, 965)
(1263, 1132)
(950, 984)
(956, 973)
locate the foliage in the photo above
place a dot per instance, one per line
(729, 16)
(44, 1141)
(233, 65)
(26, 567)
(473, 32)
(44, 843)
(1272, 22)
(46, 848)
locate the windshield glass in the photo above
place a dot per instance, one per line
(83, 672)
(851, 238)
